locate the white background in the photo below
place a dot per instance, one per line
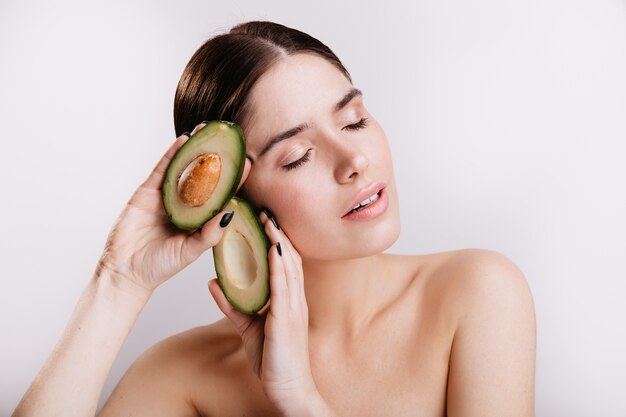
(507, 121)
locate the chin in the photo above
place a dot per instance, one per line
(369, 242)
(379, 241)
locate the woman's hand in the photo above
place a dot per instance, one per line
(144, 249)
(276, 341)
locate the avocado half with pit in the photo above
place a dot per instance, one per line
(201, 181)
(241, 261)
(204, 174)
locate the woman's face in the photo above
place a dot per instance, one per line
(310, 180)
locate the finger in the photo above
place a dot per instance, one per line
(291, 271)
(198, 127)
(295, 281)
(287, 242)
(155, 179)
(208, 236)
(278, 282)
(280, 236)
(240, 321)
(293, 265)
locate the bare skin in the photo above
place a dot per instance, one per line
(380, 370)
(364, 334)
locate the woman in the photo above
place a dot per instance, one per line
(349, 330)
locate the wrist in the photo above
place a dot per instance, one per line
(116, 288)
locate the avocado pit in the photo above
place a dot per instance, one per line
(199, 179)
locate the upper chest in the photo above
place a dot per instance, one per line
(399, 369)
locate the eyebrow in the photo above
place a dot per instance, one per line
(354, 92)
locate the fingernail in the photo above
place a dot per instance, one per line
(226, 218)
(280, 252)
(271, 217)
(205, 121)
(186, 134)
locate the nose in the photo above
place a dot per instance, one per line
(350, 161)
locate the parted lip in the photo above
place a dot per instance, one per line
(363, 194)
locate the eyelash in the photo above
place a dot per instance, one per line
(305, 158)
(358, 125)
(296, 164)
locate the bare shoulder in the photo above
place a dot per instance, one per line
(164, 379)
(190, 351)
(470, 276)
(489, 280)
(470, 289)
(220, 336)
(199, 354)
(492, 358)
(456, 283)
(484, 262)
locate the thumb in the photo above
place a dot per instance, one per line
(211, 233)
(155, 179)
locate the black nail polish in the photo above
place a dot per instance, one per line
(186, 134)
(280, 252)
(205, 121)
(226, 218)
(271, 217)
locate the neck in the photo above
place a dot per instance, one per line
(342, 295)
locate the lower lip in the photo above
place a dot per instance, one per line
(374, 210)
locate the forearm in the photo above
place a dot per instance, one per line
(72, 379)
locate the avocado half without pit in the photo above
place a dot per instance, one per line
(241, 260)
(201, 181)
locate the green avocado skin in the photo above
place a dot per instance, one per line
(257, 297)
(224, 137)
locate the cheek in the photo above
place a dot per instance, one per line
(297, 207)
(294, 204)
(301, 213)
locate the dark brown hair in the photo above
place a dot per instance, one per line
(219, 76)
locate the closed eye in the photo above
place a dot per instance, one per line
(358, 125)
(295, 164)
(305, 158)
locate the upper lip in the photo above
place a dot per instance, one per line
(366, 192)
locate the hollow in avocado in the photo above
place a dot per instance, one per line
(241, 261)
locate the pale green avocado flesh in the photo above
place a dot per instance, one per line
(241, 261)
(221, 138)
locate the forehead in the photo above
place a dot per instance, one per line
(297, 89)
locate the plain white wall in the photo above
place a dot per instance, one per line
(507, 121)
